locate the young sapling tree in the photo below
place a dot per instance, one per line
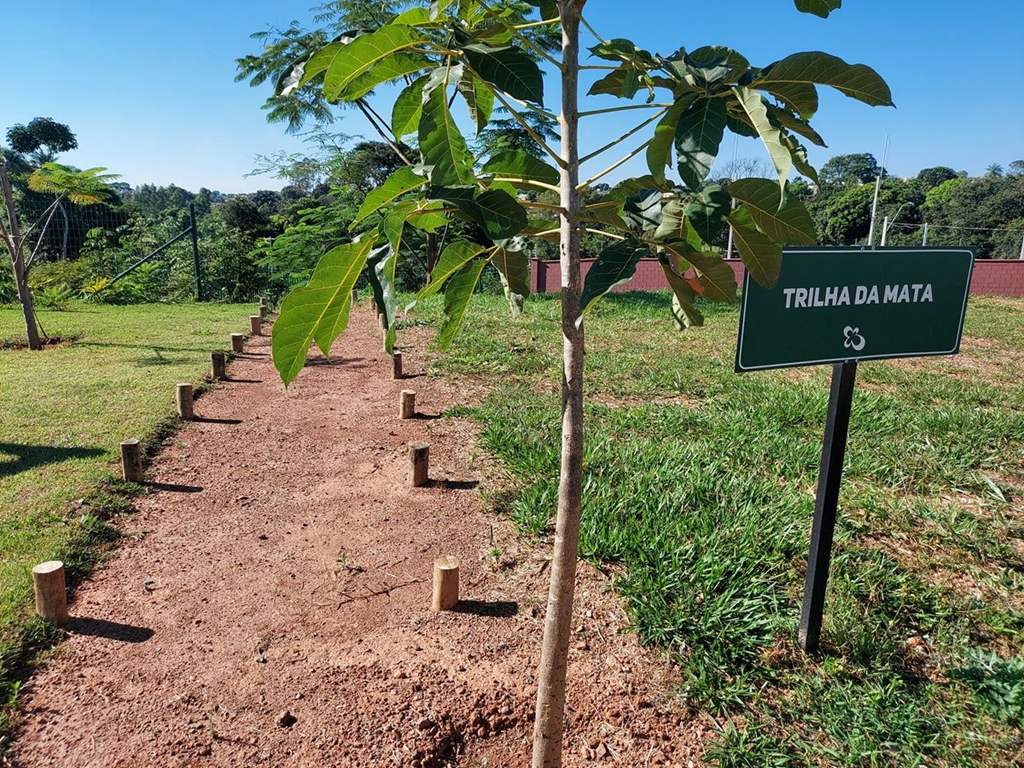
(479, 52)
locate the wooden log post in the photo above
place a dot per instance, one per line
(407, 404)
(254, 325)
(183, 397)
(355, 296)
(419, 463)
(218, 364)
(382, 321)
(446, 583)
(263, 301)
(263, 311)
(237, 339)
(131, 461)
(373, 304)
(396, 365)
(51, 593)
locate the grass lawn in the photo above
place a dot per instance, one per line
(65, 411)
(699, 492)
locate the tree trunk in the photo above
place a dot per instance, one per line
(431, 254)
(17, 249)
(548, 726)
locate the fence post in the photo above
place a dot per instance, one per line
(195, 250)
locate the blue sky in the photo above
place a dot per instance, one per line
(149, 87)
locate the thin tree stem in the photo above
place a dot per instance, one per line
(548, 727)
(663, 107)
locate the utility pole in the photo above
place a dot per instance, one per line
(878, 185)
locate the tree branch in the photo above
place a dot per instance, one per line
(624, 136)
(612, 167)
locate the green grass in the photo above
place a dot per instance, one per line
(699, 483)
(65, 411)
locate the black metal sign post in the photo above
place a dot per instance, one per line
(830, 475)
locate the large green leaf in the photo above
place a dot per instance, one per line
(789, 224)
(514, 268)
(820, 8)
(364, 52)
(443, 145)
(381, 265)
(683, 295)
(674, 225)
(698, 135)
(317, 311)
(397, 184)
(615, 265)
(408, 107)
(802, 98)
(507, 69)
(659, 151)
(716, 279)
(317, 64)
(761, 255)
(623, 83)
(453, 258)
(497, 212)
(479, 99)
(428, 217)
(393, 67)
(855, 80)
(457, 295)
(707, 212)
(516, 164)
(793, 123)
(753, 104)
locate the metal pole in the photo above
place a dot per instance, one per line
(1022, 248)
(878, 184)
(885, 230)
(924, 237)
(195, 249)
(830, 474)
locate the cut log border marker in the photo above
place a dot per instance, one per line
(446, 583)
(131, 461)
(407, 404)
(396, 365)
(237, 339)
(419, 463)
(183, 397)
(254, 325)
(218, 364)
(51, 592)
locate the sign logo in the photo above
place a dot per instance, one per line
(853, 339)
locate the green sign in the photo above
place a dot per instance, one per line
(836, 304)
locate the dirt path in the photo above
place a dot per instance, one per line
(272, 605)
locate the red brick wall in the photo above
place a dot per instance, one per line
(995, 277)
(998, 277)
